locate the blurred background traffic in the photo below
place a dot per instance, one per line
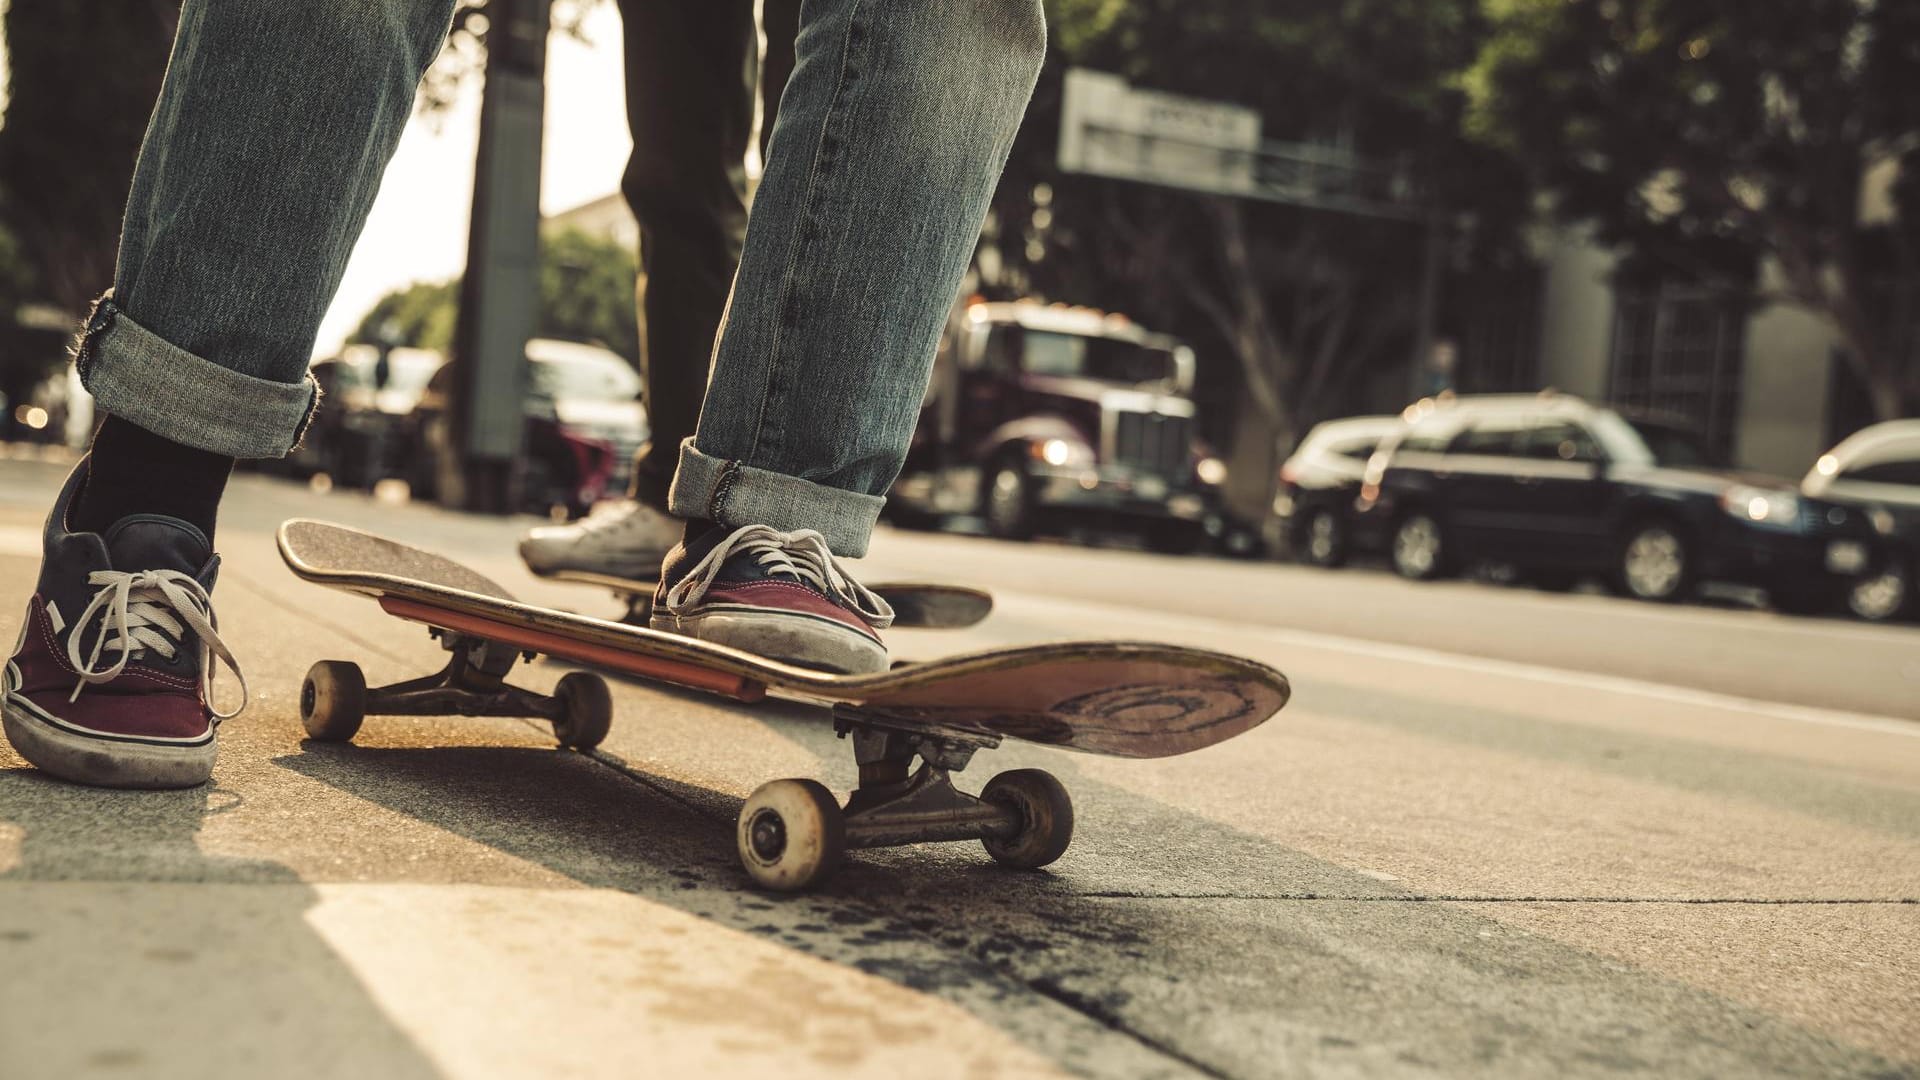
(1563, 293)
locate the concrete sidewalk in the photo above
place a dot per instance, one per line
(1377, 884)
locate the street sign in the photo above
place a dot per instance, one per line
(1109, 128)
(1112, 129)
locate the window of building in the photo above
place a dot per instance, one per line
(1678, 350)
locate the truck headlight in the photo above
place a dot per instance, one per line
(1061, 452)
(1211, 471)
(1761, 505)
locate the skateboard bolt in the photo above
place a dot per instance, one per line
(769, 835)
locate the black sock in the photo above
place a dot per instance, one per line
(130, 470)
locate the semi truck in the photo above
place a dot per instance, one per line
(1044, 417)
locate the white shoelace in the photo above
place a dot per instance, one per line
(802, 554)
(137, 614)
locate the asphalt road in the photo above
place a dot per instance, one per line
(1498, 833)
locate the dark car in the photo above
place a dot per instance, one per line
(1560, 488)
(1042, 417)
(1313, 505)
(1877, 471)
(360, 435)
(584, 423)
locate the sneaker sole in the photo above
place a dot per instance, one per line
(103, 761)
(801, 640)
(547, 566)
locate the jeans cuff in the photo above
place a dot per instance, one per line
(734, 494)
(141, 377)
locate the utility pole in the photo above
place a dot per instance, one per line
(500, 292)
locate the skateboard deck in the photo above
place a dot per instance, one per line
(1125, 699)
(916, 605)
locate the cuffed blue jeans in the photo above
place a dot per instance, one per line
(276, 121)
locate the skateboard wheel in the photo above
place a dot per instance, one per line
(792, 835)
(1046, 816)
(586, 710)
(333, 701)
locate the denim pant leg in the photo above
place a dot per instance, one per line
(892, 133)
(260, 164)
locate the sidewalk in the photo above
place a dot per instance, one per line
(456, 897)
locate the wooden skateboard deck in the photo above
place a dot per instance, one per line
(916, 605)
(1126, 699)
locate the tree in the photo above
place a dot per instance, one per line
(1305, 304)
(1716, 140)
(586, 294)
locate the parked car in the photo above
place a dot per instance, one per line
(584, 423)
(1044, 417)
(1313, 504)
(1560, 488)
(1877, 471)
(360, 435)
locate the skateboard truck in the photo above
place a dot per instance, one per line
(792, 834)
(335, 698)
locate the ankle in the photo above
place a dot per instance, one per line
(130, 470)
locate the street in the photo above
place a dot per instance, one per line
(1498, 832)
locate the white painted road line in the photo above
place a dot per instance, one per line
(1118, 615)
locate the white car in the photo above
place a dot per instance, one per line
(1878, 470)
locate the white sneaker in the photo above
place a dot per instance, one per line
(629, 540)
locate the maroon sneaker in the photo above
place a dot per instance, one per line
(110, 682)
(774, 594)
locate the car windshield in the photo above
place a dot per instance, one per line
(593, 378)
(1673, 446)
(1043, 352)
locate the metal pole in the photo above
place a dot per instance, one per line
(500, 292)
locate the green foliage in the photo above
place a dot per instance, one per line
(419, 316)
(1706, 138)
(586, 294)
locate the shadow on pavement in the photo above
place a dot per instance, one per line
(148, 955)
(1286, 959)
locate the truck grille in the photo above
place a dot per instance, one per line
(1154, 443)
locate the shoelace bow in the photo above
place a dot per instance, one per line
(802, 554)
(137, 613)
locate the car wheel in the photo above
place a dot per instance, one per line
(1419, 548)
(1655, 563)
(1007, 502)
(1886, 595)
(1323, 540)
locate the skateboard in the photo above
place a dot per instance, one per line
(915, 606)
(1125, 699)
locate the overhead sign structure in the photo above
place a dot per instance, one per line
(1113, 129)
(1109, 128)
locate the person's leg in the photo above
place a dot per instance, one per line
(265, 149)
(690, 75)
(892, 132)
(690, 79)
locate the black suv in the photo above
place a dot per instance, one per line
(1560, 488)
